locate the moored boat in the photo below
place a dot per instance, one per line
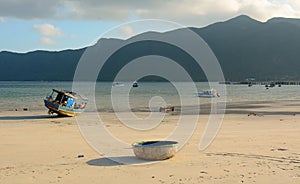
(135, 84)
(65, 103)
(118, 84)
(208, 94)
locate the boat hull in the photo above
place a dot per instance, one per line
(205, 95)
(62, 111)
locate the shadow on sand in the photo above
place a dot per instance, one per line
(103, 162)
(37, 117)
(116, 161)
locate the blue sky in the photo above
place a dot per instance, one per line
(21, 36)
(27, 25)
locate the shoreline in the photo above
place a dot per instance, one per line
(282, 107)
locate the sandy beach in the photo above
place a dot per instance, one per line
(257, 143)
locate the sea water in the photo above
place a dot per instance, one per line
(29, 94)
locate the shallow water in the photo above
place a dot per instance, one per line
(29, 94)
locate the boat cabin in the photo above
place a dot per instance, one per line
(67, 99)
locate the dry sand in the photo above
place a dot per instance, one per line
(258, 147)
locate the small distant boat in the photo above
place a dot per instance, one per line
(135, 84)
(65, 103)
(208, 94)
(167, 109)
(118, 84)
(271, 85)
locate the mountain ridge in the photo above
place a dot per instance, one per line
(244, 47)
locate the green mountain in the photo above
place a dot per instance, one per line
(244, 47)
(39, 65)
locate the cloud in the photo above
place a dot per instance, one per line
(264, 9)
(47, 41)
(31, 9)
(294, 3)
(48, 30)
(122, 32)
(2, 19)
(186, 12)
(127, 31)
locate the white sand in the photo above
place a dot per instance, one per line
(248, 149)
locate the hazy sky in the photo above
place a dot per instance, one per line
(28, 25)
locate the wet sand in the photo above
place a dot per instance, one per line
(257, 143)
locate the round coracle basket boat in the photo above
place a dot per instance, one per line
(155, 150)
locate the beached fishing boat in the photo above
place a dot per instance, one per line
(65, 103)
(208, 94)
